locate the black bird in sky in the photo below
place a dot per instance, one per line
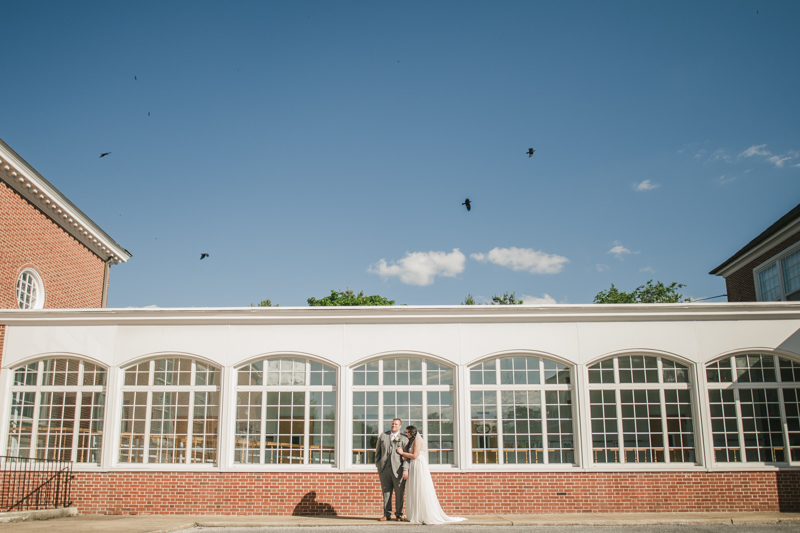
(203, 256)
(104, 154)
(135, 78)
(468, 204)
(148, 113)
(530, 152)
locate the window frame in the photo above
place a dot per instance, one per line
(697, 405)
(777, 385)
(37, 282)
(230, 414)
(425, 388)
(108, 432)
(774, 260)
(114, 447)
(573, 387)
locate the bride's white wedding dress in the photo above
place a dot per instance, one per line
(422, 504)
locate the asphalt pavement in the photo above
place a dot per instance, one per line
(629, 522)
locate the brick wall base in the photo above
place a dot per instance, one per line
(358, 494)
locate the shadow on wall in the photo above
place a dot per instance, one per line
(309, 506)
(788, 491)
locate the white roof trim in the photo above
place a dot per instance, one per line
(21, 177)
(774, 240)
(405, 314)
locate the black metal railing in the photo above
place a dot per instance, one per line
(31, 484)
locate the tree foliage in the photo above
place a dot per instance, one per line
(265, 303)
(505, 299)
(348, 297)
(647, 293)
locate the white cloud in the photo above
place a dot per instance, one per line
(420, 268)
(601, 267)
(778, 160)
(699, 154)
(533, 261)
(718, 155)
(724, 180)
(533, 300)
(647, 269)
(755, 150)
(646, 185)
(620, 251)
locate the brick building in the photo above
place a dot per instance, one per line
(51, 254)
(768, 267)
(526, 409)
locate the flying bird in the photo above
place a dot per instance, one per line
(468, 204)
(203, 256)
(148, 113)
(104, 154)
(530, 152)
(135, 78)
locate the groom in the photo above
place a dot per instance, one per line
(392, 469)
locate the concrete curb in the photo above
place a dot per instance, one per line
(43, 514)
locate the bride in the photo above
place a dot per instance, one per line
(422, 504)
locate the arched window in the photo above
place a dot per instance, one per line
(170, 412)
(286, 412)
(30, 290)
(754, 402)
(417, 391)
(641, 411)
(57, 409)
(521, 411)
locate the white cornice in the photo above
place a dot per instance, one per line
(21, 177)
(406, 314)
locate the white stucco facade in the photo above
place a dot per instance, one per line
(692, 335)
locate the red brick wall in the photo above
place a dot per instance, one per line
(72, 274)
(741, 285)
(359, 494)
(2, 341)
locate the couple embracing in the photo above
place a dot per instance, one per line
(402, 462)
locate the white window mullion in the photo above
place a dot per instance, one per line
(499, 410)
(307, 424)
(189, 422)
(147, 420)
(77, 419)
(662, 396)
(263, 438)
(787, 448)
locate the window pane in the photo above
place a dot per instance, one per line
(761, 424)
(365, 427)
(484, 427)
(642, 433)
(441, 442)
(284, 437)
(791, 273)
(768, 278)
(248, 427)
(322, 422)
(605, 436)
(522, 427)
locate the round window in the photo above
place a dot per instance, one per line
(30, 291)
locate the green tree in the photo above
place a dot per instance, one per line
(348, 297)
(506, 299)
(265, 303)
(644, 294)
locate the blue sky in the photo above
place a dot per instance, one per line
(310, 146)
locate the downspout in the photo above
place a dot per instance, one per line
(106, 274)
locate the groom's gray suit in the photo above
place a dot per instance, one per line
(390, 466)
